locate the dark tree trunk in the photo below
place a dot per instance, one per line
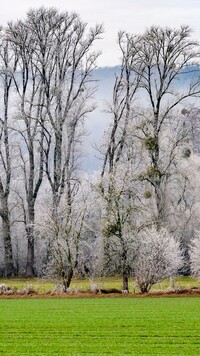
(125, 268)
(125, 282)
(67, 278)
(144, 289)
(30, 254)
(30, 272)
(9, 267)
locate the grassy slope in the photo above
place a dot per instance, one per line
(155, 326)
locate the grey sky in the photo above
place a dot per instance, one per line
(130, 15)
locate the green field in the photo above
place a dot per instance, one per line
(100, 326)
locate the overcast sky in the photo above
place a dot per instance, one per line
(129, 15)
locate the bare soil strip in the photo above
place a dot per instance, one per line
(102, 294)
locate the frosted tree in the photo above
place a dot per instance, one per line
(54, 90)
(65, 61)
(62, 65)
(152, 64)
(164, 56)
(158, 256)
(195, 256)
(8, 64)
(29, 129)
(119, 161)
(65, 234)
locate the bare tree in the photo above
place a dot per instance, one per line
(151, 66)
(116, 186)
(8, 63)
(30, 128)
(65, 236)
(56, 73)
(62, 48)
(165, 56)
(53, 84)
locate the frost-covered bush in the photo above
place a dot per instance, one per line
(195, 257)
(158, 256)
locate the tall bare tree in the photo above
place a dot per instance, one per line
(62, 49)
(8, 63)
(57, 65)
(55, 70)
(30, 128)
(116, 186)
(165, 56)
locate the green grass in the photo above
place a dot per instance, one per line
(95, 326)
(39, 284)
(43, 285)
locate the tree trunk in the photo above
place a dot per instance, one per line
(124, 263)
(30, 237)
(144, 288)
(30, 256)
(160, 203)
(125, 282)
(9, 267)
(67, 278)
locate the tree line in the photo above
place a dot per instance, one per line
(139, 213)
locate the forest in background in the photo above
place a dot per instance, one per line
(139, 213)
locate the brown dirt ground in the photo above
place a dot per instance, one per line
(152, 294)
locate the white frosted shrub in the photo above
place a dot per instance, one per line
(158, 256)
(195, 257)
